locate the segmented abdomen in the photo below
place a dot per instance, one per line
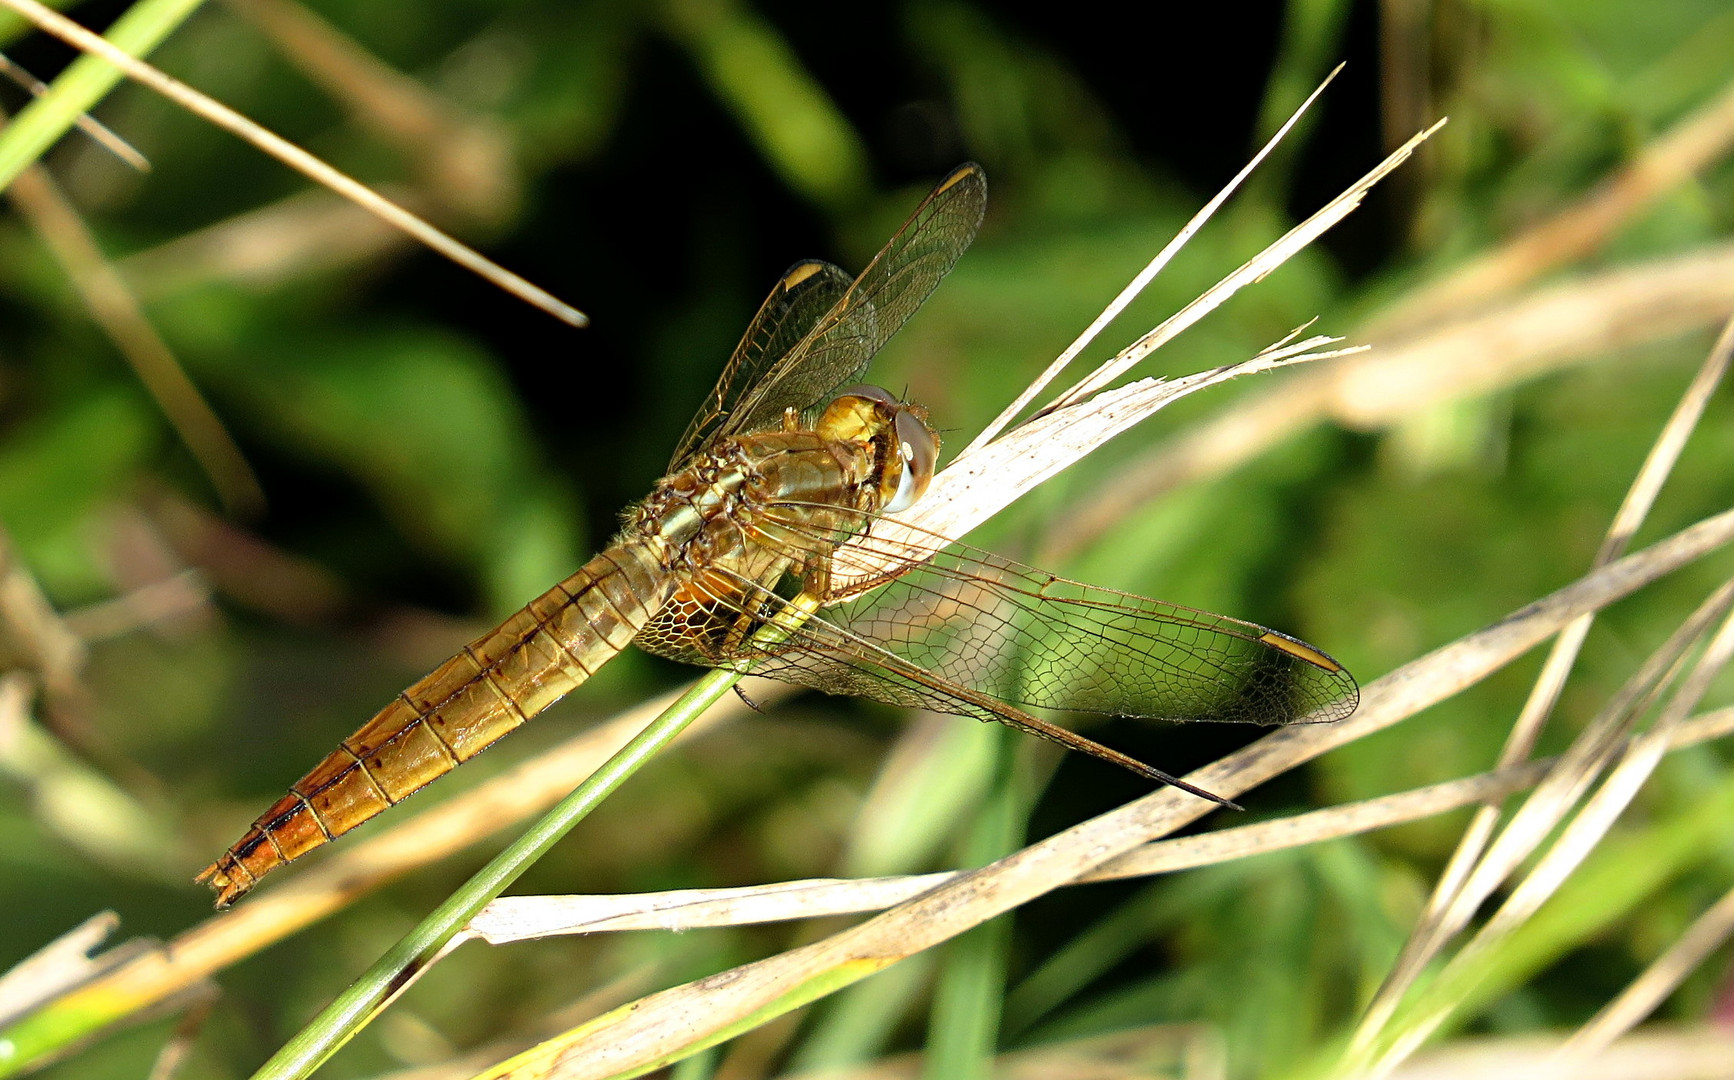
(495, 684)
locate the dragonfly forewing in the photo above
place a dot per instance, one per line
(840, 345)
(805, 292)
(970, 620)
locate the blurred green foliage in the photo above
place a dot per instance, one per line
(435, 453)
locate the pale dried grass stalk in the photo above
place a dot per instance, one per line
(1690, 146)
(177, 1050)
(1530, 827)
(1631, 770)
(1675, 1053)
(1179, 1051)
(1647, 992)
(76, 802)
(88, 124)
(518, 918)
(1118, 305)
(1489, 351)
(466, 160)
(36, 630)
(164, 601)
(1253, 270)
(117, 311)
(56, 967)
(262, 248)
(1434, 925)
(978, 485)
(1581, 835)
(296, 158)
(153, 973)
(681, 1020)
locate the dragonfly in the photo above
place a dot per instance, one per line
(757, 552)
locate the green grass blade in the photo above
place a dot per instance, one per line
(970, 995)
(84, 83)
(359, 1004)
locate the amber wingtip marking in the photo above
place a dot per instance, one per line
(1300, 650)
(800, 272)
(968, 168)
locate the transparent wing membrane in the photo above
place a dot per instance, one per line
(817, 331)
(954, 629)
(805, 292)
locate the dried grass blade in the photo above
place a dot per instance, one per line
(296, 158)
(1429, 931)
(1146, 275)
(1252, 270)
(115, 309)
(664, 1027)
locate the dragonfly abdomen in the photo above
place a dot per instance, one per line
(493, 685)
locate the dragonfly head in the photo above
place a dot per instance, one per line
(905, 447)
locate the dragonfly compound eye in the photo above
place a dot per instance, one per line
(917, 448)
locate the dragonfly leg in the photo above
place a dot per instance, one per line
(816, 576)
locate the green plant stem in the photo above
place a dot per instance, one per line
(969, 998)
(84, 83)
(369, 994)
(14, 26)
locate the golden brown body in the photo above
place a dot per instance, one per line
(687, 543)
(752, 501)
